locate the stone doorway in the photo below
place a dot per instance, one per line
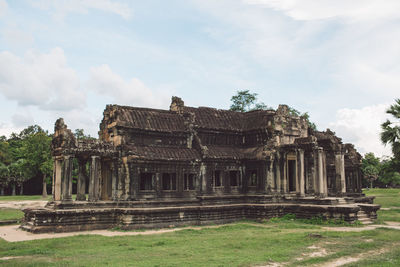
(291, 173)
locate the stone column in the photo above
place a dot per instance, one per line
(321, 173)
(285, 174)
(203, 179)
(127, 181)
(300, 172)
(67, 179)
(278, 164)
(314, 171)
(81, 183)
(57, 179)
(158, 184)
(114, 174)
(340, 173)
(270, 184)
(94, 178)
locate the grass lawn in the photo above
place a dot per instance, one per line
(23, 197)
(239, 244)
(387, 198)
(10, 214)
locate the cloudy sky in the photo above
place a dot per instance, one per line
(337, 59)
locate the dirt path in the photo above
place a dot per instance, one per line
(349, 259)
(22, 204)
(12, 233)
(390, 225)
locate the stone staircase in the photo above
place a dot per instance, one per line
(363, 217)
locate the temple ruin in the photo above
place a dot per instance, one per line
(186, 165)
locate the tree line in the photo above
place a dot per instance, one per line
(27, 155)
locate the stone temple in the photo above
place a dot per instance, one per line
(192, 166)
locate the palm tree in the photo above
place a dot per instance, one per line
(391, 130)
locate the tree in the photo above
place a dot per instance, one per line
(245, 101)
(390, 175)
(80, 135)
(391, 130)
(4, 178)
(36, 152)
(17, 175)
(370, 167)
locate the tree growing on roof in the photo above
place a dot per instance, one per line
(245, 101)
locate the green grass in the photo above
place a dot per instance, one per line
(23, 197)
(11, 214)
(240, 244)
(387, 198)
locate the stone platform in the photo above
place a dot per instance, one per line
(82, 216)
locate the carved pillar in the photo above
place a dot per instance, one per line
(67, 179)
(300, 172)
(270, 184)
(127, 181)
(158, 185)
(114, 180)
(278, 166)
(94, 178)
(321, 173)
(57, 180)
(285, 174)
(340, 173)
(203, 178)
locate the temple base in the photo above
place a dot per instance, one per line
(82, 216)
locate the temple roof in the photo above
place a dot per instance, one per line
(163, 153)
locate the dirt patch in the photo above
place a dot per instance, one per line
(318, 252)
(390, 225)
(349, 259)
(23, 204)
(391, 208)
(10, 258)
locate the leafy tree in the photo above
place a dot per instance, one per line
(390, 175)
(391, 129)
(17, 175)
(4, 150)
(245, 101)
(4, 177)
(371, 168)
(36, 151)
(80, 135)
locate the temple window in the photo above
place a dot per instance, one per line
(169, 181)
(253, 179)
(234, 178)
(189, 181)
(146, 181)
(217, 179)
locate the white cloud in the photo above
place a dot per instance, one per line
(354, 10)
(362, 128)
(22, 119)
(42, 80)
(62, 8)
(133, 92)
(3, 7)
(17, 38)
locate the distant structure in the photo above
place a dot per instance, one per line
(156, 168)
